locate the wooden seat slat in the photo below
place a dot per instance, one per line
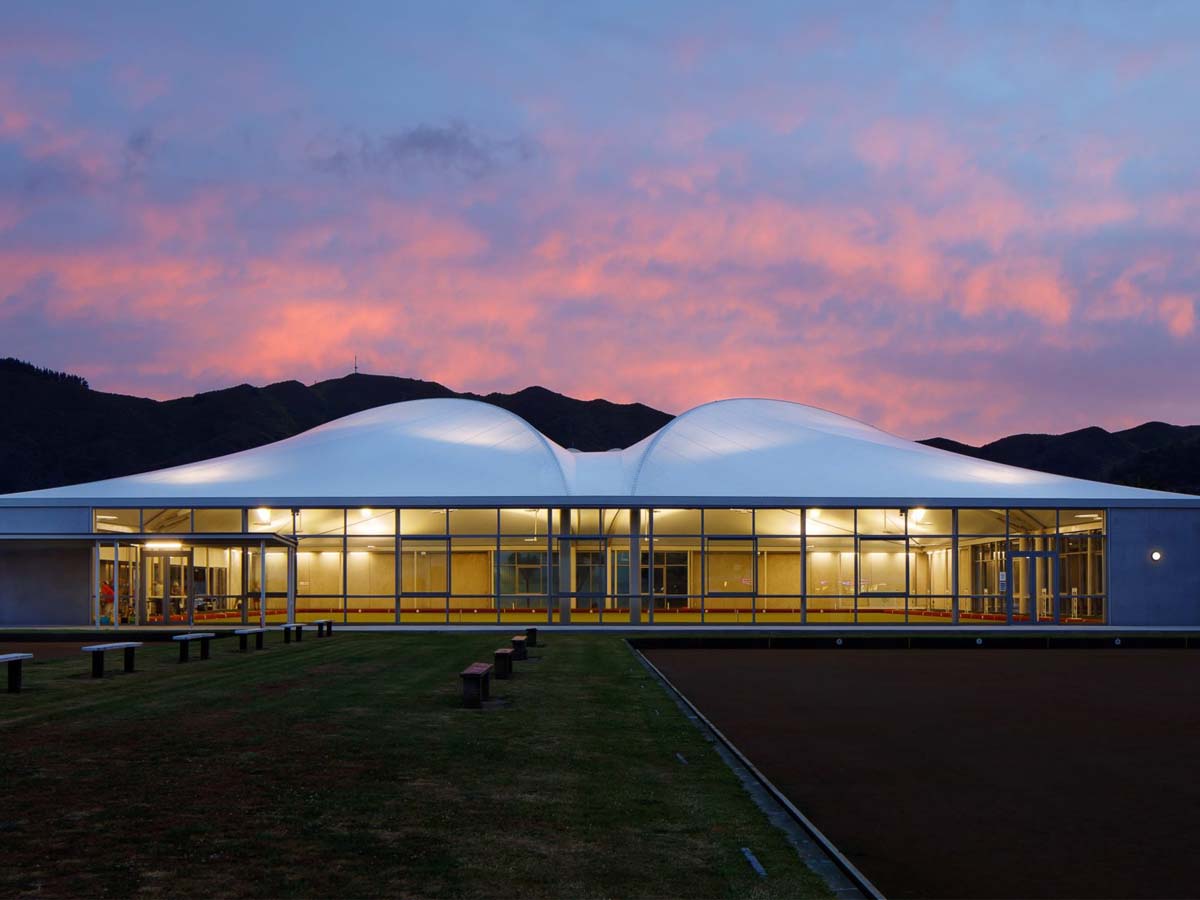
(13, 657)
(250, 631)
(476, 669)
(199, 635)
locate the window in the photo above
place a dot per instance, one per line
(522, 572)
(117, 521)
(589, 572)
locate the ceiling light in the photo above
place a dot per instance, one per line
(918, 514)
(263, 515)
(365, 513)
(1156, 555)
(163, 545)
(105, 517)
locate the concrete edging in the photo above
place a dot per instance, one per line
(815, 849)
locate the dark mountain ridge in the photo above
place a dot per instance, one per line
(60, 431)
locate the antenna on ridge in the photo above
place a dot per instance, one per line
(355, 363)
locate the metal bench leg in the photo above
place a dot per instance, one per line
(129, 658)
(204, 647)
(183, 651)
(287, 635)
(243, 644)
(299, 635)
(258, 641)
(14, 676)
(486, 680)
(97, 663)
(329, 629)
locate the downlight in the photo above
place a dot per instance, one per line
(1156, 555)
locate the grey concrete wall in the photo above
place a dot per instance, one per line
(45, 585)
(45, 520)
(1142, 591)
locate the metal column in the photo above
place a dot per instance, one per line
(116, 615)
(291, 584)
(565, 566)
(262, 584)
(635, 567)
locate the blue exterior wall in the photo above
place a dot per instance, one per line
(43, 584)
(1142, 591)
(45, 520)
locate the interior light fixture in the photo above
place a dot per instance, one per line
(263, 515)
(918, 514)
(814, 513)
(163, 545)
(365, 513)
(105, 517)
(1156, 555)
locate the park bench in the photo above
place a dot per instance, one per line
(531, 634)
(289, 628)
(475, 679)
(97, 651)
(14, 661)
(185, 642)
(518, 645)
(324, 627)
(243, 635)
(503, 662)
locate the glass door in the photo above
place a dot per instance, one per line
(1031, 587)
(166, 587)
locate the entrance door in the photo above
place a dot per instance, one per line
(581, 582)
(1031, 587)
(166, 587)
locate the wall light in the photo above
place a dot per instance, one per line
(1156, 555)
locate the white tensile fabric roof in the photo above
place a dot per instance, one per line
(450, 449)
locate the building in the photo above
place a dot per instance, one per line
(736, 512)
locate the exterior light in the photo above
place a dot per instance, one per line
(263, 515)
(1156, 555)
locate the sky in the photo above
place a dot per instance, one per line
(961, 219)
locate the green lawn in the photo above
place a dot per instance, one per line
(346, 767)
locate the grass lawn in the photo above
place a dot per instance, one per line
(346, 767)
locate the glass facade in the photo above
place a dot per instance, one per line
(867, 565)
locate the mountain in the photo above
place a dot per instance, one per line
(1154, 455)
(57, 430)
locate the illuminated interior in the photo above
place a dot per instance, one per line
(383, 565)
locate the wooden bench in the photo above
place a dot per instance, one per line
(14, 661)
(185, 642)
(518, 645)
(97, 651)
(475, 678)
(243, 635)
(531, 635)
(324, 627)
(503, 662)
(289, 628)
